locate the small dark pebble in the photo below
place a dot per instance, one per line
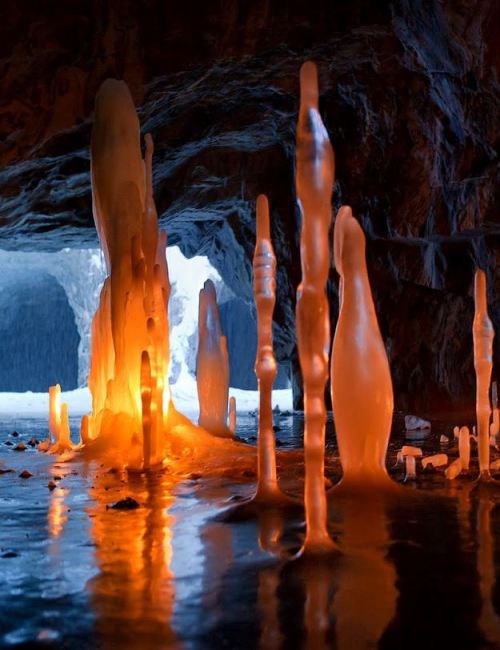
(57, 478)
(8, 554)
(51, 485)
(194, 476)
(6, 471)
(9, 442)
(20, 447)
(276, 428)
(113, 470)
(33, 442)
(279, 443)
(25, 474)
(14, 434)
(125, 504)
(250, 473)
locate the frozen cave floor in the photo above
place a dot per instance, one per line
(420, 570)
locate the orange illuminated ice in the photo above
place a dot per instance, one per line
(361, 381)
(483, 334)
(314, 184)
(264, 289)
(130, 336)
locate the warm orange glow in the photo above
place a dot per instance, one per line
(130, 336)
(264, 289)
(314, 183)
(483, 334)
(361, 380)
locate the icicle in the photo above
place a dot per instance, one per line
(314, 184)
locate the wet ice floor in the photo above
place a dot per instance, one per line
(414, 571)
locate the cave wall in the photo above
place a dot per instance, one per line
(409, 95)
(38, 336)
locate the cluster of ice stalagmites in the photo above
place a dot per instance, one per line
(130, 336)
(212, 367)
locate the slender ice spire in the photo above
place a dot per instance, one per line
(314, 180)
(483, 335)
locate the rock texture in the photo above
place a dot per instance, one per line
(410, 97)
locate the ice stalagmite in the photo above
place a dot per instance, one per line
(54, 412)
(232, 415)
(483, 335)
(264, 289)
(361, 381)
(132, 315)
(212, 368)
(314, 184)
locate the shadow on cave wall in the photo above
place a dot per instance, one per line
(38, 335)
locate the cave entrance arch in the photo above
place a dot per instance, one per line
(38, 335)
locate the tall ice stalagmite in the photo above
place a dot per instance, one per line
(361, 381)
(212, 366)
(264, 289)
(314, 184)
(132, 317)
(483, 335)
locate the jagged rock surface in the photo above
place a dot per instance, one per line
(410, 97)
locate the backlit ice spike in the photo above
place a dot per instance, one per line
(360, 377)
(483, 334)
(264, 291)
(132, 316)
(212, 368)
(232, 415)
(464, 447)
(84, 429)
(54, 412)
(314, 180)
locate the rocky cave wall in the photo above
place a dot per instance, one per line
(409, 95)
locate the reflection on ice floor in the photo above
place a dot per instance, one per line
(418, 571)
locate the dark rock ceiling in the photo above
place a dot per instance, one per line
(410, 97)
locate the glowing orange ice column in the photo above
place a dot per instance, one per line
(232, 415)
(212, 367)
(54, 412)
(361, 381)
(314, 184)
(264, 291)
(483, 335)
(132, 315)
